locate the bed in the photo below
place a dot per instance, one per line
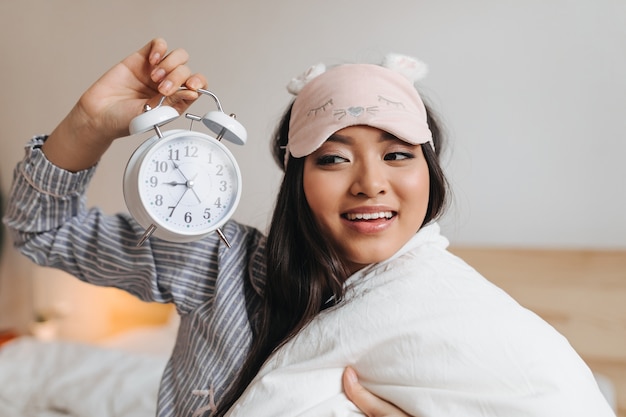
(117, 377)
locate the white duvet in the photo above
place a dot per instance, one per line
(428, 333)
(433, 337)
(52, 379)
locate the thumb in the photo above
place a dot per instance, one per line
(368, 403)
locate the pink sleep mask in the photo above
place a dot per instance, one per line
(357, 94)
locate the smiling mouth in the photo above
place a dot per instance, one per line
(369, 216)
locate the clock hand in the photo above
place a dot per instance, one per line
(188, 183)
(178, 202)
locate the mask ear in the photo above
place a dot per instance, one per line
(413, 69)
(296, 84)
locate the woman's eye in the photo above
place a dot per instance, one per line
(397, 156)
(330, 160)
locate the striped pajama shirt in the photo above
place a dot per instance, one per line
(215, 289)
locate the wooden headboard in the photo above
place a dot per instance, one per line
(582, 293)
(91, 313)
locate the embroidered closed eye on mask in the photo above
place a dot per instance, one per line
(357, 94)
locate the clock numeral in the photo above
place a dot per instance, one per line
(207, 213)
(220, 170)
(154, 181)
(218, 203)
(158, 200)
(223, 185)
(191, 151)
(174, 155)
(188, 217)
(172, 208)
(160, 166)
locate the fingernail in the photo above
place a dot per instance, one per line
(351, 376)
(158, 74)
(155, 58)
(192, 83)
(165, 86)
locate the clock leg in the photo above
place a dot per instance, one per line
(149, 231)
(221, 235)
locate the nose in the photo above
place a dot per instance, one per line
(369, 179)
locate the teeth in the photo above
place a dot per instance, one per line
(369, 216)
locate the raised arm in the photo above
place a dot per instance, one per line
(105, 110)
(47, 215)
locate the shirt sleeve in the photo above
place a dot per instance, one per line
(50, 223)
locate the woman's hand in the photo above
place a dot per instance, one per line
(105, 110)
(368, 403)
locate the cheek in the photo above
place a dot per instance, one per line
(313, 192)
(322, 193)
(415, 188)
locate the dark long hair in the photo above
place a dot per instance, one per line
(304, 273)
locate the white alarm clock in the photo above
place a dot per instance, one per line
(181, 185)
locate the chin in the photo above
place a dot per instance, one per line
(363, 261)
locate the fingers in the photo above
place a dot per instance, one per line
(368, 403)
(184, 97)
(196, 81)
(156, 50)
(357, 394)
(170, 71)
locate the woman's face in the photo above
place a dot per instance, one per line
(368, 192)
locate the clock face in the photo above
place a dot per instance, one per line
(189, 183)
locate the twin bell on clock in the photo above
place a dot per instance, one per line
(181, 185)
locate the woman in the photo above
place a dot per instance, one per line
(353, 275)
(358, 274)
